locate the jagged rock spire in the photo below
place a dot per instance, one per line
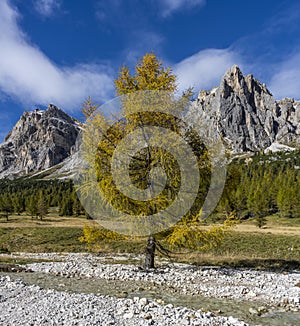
(245, 113)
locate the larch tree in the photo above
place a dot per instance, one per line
(89, 107)
(152, 86)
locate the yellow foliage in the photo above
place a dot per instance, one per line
(140, 110)
(89, 107)
(93, 235)
(149, 75)
(194, 236)
(231, 219)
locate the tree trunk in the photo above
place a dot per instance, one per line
(150, 253)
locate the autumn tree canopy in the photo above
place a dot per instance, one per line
(148, 103)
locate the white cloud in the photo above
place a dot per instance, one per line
(286, 80)
(204, 69)
(27, 74)
(47, 7)
(170, 6)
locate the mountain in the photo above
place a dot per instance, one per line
(241, 109)
(38, 141)
(246, 114)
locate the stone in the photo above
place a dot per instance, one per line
(246, 115)
(147, 316)
(285, 301)
(128, 315)
(242, 109)
(253, 311)
(143, 301)
(245, 290)
(38, 141)
(262, 309)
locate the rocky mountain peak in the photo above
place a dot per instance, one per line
(55, 112)
(38, 141)
(233, 78)
(234, 82)
(246, 114)
(241, 110)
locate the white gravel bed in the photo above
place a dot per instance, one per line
(21, 304)
(267, 287)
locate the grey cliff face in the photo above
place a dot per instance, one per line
(39, 140)
(241, 110)
(246, 114)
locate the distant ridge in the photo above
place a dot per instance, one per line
(241, 109)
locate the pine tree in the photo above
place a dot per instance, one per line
(18, 203)
(42, 207)
(7, 204)
(77, 207)
(288, 198)
(66, 205)
(32, 206)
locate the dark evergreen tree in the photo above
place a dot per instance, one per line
(42, 207)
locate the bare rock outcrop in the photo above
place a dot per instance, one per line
(38, 141)
(241, 111)
(246, 115)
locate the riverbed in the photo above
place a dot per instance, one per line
(252, 297)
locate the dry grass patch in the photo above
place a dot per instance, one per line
(51, 220)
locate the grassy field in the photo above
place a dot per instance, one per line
(276, 246)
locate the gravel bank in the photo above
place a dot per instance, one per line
(21, 304)
(267, 287)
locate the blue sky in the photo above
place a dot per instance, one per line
(61, 51)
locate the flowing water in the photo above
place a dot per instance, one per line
(162, 294)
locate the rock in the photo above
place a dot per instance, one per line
(232, 320)
(245, 291)
(208, 314)
(241, 109)
(143, 301)
(128, 315)
(246, 115)
(12, 268)
(262, 309)
(169, 306)
(253, 311)
(147, 316)
(38, 141)
(251, 294)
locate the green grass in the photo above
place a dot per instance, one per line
(240, 249)
(277, 220)
(260, 245)
(46, 239)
